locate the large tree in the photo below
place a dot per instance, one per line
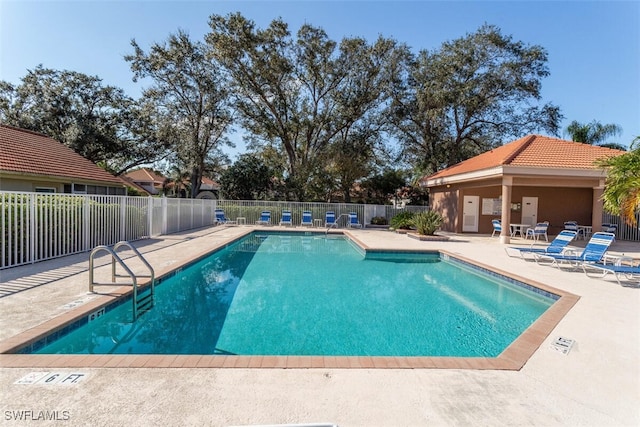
(469, 96)
(97, 121)
(351, 158)
(384, 186)
(358, 148)
(249, 178)
(297, 94)
(191, 100)
(595, 133)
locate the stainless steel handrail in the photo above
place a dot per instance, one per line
(139, 255)
(115, 258)
(334, 224)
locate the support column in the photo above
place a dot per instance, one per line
(597, 207)
(505, 219)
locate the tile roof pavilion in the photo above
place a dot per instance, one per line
(531, 151)
(557, 180)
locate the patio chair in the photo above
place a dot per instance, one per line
(353, 220)
(609, 228)
(619, 270)
(557, 246)
(307, 219)
(573, 226)
(538, 231)
(592, 253)
(286, 218)
(330, 219)
(265, 218)
(497, 227)
(221, 218)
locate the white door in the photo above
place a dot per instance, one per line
(470, 213)
(530, 210)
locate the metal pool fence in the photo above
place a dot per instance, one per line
(624, 231)
(250, 210)
(38, 226)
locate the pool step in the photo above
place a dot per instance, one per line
(144, 303)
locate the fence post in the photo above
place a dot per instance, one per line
(150, 216)
(32, 227)
(86, 224)
(123, 216)
(193, 206)
(164, 216)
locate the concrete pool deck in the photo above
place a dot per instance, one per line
(596, 383)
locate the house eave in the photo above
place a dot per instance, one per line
(59, 179)
(463, 177)
(514, 171)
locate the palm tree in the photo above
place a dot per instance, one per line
(595, 133)
(178, 182)
(621, 195)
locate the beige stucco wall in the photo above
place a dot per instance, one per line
(555, 204)
(10, 184)
(29, 184)
(446, 203)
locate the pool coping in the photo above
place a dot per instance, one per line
(514, 357)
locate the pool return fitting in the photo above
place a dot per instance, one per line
(142, 304)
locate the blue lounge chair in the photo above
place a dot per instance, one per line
(286, 218)
(620, 271)
(557, 246)
(497, 227)
(353, 220)
(265, 218)
(330, 219)
(592, 253)
(221, 218)
(307, 219)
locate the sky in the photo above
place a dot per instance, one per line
(593, 46)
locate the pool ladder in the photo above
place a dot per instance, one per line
(334, 224)
(140, 304)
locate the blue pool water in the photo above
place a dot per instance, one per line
(306, 294)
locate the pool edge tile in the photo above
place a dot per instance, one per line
(514, 357)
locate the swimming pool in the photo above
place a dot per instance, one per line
(311, 294)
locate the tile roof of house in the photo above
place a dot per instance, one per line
(145, 175)
(208, 184)
(131, 183)
(534, 151)
(31, 153)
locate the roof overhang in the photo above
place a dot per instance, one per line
(60, 179)
(514, 171)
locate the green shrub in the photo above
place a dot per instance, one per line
(379, 220)
(402, 221)
(427, 222)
